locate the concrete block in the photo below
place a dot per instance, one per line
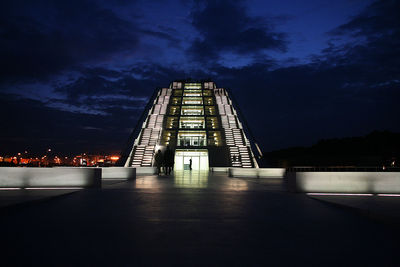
(243, 172)
(146, 170)
(118, 173)
(26, 177)
(271, 172)
(257, 172)
(220, 169)
(344, 182)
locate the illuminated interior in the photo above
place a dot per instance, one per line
(191, 123)
(192, 110)
(192, 85)
(192, 93)
(199, 159)
(192, 101)
(192, 138)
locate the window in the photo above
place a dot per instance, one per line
(192, 101)
(192, 85)
(192, 110)
(191, 123)
(192, 93)
(192, 138)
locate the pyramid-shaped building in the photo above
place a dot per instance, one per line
(199, 122)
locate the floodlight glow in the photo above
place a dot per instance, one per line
(389, 195)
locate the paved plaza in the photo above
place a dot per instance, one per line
(192, 218)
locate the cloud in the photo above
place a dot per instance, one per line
(379, 18)
(374, 51)
(224, 26)
(31, 125)
(350, 89)
(43, 37)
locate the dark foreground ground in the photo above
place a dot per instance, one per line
(193, 219)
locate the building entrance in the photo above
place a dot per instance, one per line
(199, 159)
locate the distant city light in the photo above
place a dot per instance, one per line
(45, 161)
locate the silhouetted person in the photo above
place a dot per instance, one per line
(190, 164)
(168, 160)
(159, 161)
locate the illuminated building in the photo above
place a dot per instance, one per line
(198, 121)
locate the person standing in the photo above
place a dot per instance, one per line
(159, 161)
(190, 164)
(168, 160)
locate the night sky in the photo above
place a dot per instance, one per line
(75, 75)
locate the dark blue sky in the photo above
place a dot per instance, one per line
(75, 75)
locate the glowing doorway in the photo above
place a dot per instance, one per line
(199, 159)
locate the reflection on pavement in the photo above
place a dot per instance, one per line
(147, 182)
(191, 179)
(236, 184)
(201, 180)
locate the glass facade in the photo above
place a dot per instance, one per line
(192, 138)
(199, 158)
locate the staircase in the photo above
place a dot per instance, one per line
(239, 147)
(143, 153)
(145, 145)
